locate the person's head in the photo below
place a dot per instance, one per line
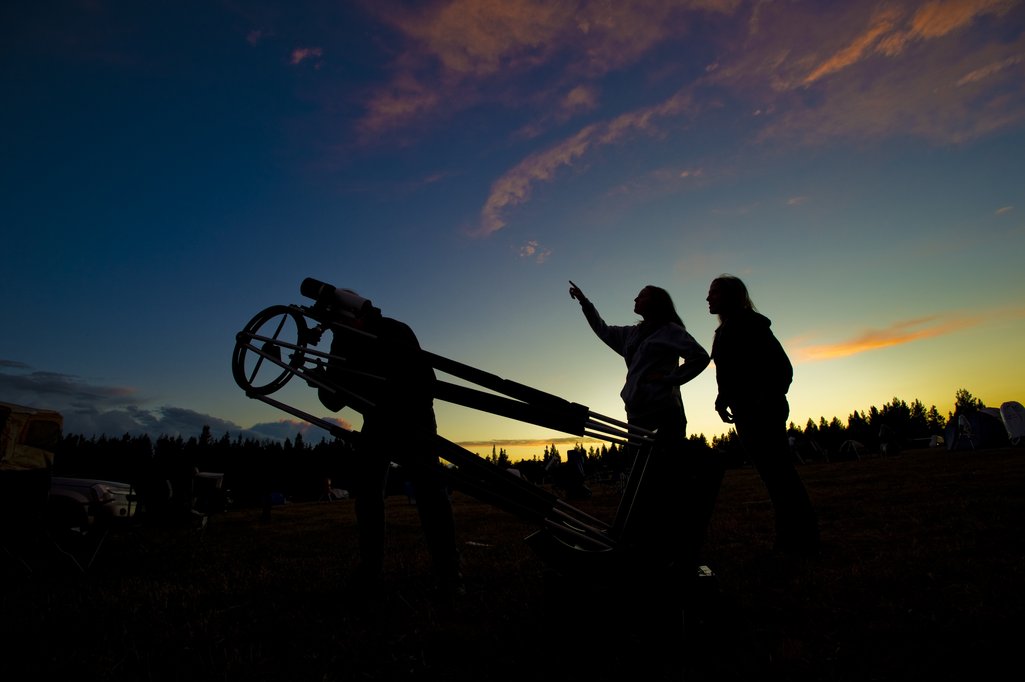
(727, 295)
(654, 304)
(357, 311)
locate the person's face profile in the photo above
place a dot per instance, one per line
(642, 304)
(714, 298)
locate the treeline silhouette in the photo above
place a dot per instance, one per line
(255, 471)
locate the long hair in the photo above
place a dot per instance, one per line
(662, 308)
(734, 294)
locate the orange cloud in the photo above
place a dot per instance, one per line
(457, 47)
(954, 86)
(896, 334)
(939, 18)
(862, 45)
(301, 54)
(580, 98)
(890, 31)
(533, 250)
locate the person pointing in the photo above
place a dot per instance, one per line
(652, 350)
(677, 490)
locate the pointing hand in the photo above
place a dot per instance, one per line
(575, 292)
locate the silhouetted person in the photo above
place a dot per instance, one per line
(678, 488)
(576, 477)
(754, 375)
(398, 425)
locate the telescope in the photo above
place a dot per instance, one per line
(281, 342)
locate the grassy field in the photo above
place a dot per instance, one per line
(921, 577)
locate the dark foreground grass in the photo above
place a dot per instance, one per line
(921, 577)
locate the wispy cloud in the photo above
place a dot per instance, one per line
(892, 29)
(903, 68)
(515, 186)
(580, 99)
(534, 251)
(302, 54)
(990, 70)
(1004, 209)
(904, 331)
(459, 49)
(880, 30)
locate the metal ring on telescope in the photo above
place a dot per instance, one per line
(255, 350)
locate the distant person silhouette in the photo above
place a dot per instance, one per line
(652, 350)
(399, 426)
(754, 374)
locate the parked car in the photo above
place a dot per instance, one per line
(79, 504)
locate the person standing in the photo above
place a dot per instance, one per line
(381, 363)
(754, 374)
(652, 350)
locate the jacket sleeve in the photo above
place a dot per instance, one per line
(695, 358)
(614, 337)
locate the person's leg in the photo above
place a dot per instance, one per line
(369, 481)
(765, 441)
(435, 509)
(661, 523)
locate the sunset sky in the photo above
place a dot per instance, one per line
(171, 168)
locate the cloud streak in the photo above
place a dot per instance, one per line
(898, 333)
(302, 54)
(456, 51)
(892, 30)
(516, 186)
(904, 68)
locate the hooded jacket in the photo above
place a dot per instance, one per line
(751, 366)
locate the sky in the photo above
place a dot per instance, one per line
(170, 169)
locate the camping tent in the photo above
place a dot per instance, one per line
(1013, 415)
(978, 429)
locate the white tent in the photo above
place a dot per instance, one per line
(1012, 413)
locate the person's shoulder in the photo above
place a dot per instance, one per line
(753, 319)
(392, 323)
(675, 330)
(396, 329)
